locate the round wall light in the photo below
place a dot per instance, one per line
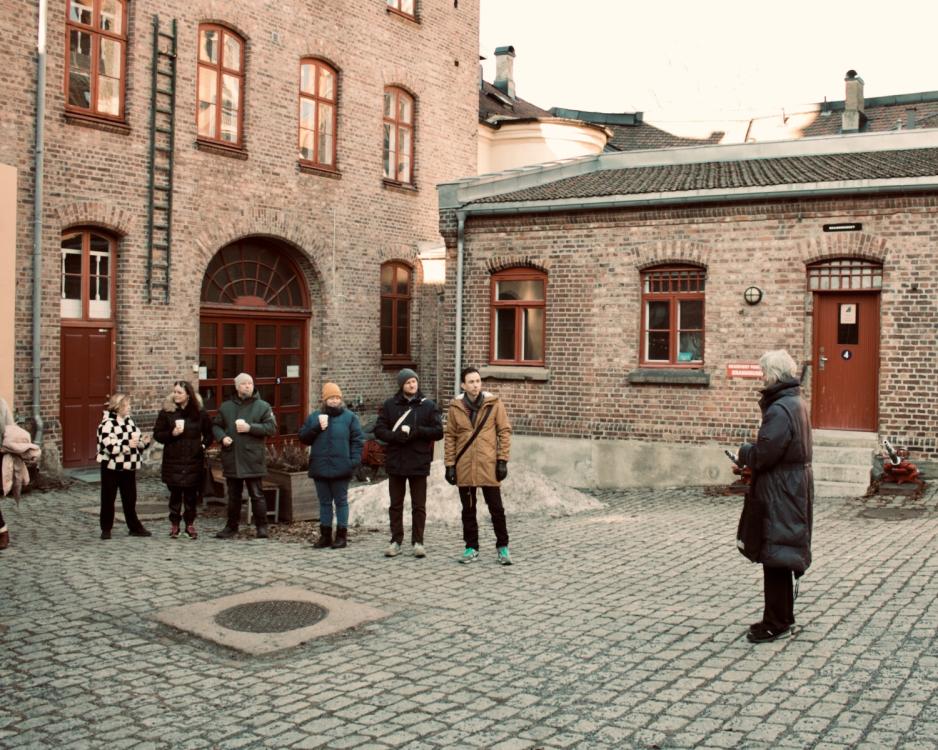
(753, 295)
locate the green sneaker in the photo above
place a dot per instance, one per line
(504, 556)
(470, 555)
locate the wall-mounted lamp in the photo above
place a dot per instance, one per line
(753, 295)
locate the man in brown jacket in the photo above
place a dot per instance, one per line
(476, 443)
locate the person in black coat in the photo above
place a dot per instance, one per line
(775, 529)
(185, 430)
(409, 424)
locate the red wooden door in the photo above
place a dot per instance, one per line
(85, 387)
(846, 357)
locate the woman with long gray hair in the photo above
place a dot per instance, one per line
(775, 528)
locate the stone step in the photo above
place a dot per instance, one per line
(845, 439)
(828, 454)
(840, 489)
(841, 472)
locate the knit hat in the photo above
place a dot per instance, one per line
(329, 390)
(404, 375)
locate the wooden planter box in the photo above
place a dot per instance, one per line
(298, 501)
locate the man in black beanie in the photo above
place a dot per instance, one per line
(409, 424)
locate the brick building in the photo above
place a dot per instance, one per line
(618, 302)
(251, 192)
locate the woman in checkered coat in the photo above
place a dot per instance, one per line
(120, 451)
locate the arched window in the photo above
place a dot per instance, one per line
(220, 85)
(318, 94)
(96, 47)
(87, 278)
(518, 315)
(395, 311)
(398, 135)
(252, 274)
(673, 315)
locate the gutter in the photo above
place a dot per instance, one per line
(37, 220)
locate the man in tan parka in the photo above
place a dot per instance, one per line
(477, 443)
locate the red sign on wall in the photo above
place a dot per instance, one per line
(748, 370)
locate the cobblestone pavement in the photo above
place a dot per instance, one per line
(616, 628)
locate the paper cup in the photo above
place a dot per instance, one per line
(180, 424)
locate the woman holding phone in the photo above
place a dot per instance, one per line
(185, 431)
(336, 441)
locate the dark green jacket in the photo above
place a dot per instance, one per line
(246, 457)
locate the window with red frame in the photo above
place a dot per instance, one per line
(673, 315)
(96, 52)
(395, 311)
(405, 7)
(220, 85)
(518, 316)
(318, 92)
(398, 135)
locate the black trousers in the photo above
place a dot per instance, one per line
(113, 481)
(258, 501)
(397, 487)
(470, 526)
(176, 496)
(779, 598)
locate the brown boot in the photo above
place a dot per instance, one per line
(325, 538)
(341, 538)
(4, 538)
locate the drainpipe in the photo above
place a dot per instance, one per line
(37, 218)
(460, 243)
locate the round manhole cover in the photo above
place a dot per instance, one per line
(275, 616)
(893, 514)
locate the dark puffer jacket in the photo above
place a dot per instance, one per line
(409, 455)
(183, 455)
(246, 457)
(336, 451)
(779, 515)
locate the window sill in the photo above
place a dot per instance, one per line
(667, 376)
(402, 187)
(400, 14)
(398, 364)
(232, 152)
(515, 372)
(309, 168)
(98, 123)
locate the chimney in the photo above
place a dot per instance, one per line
(504, 70)
(854, 118)
(910, 118)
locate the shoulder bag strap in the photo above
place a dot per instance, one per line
(474, 435)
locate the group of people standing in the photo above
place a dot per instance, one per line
(477, 446)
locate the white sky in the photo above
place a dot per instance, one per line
(690, 60)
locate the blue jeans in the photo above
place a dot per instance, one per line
(332, 491)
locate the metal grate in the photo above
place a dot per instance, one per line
(274, 616)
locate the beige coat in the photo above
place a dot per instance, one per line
(476, 468)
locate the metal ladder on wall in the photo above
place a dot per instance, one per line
(162, 127)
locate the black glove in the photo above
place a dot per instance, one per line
(451, 474)
(501, 470)
(401, 437)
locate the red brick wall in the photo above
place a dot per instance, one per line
(593, 319)
(99, 177)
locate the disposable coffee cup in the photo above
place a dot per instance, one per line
(180, 423)
(405, 429)
(323, 421)
(240, 422)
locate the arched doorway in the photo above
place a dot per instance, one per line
(845, 393)
(254, 318)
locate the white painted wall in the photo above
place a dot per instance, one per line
(526, 142)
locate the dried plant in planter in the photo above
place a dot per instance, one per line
(288, 456)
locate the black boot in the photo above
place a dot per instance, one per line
(325, 538)
(234, 518)
(260, 516)
(341, 538)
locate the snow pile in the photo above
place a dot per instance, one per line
(524, 491)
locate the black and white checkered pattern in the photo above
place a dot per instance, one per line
(114, 451)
